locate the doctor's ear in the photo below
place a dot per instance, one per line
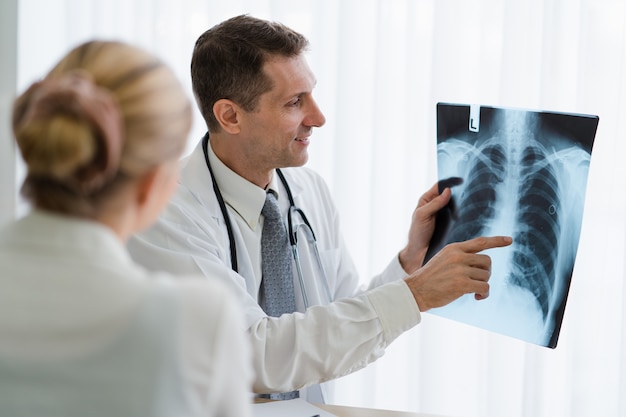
(227, 114)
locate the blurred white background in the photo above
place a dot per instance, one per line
(381, 66)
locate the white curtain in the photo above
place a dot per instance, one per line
(381, 66)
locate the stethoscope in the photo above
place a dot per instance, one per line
(292, 229)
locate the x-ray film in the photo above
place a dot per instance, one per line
(523, 174)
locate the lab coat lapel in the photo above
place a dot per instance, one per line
(295, 186)
(196, 177)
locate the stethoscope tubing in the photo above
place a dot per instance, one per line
(292, 236)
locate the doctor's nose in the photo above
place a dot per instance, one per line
(315, 117)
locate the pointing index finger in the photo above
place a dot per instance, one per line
(482, 243)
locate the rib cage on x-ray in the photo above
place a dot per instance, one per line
(516, 183)
(478, 202)
(538, 216)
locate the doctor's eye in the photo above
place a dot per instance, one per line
(295, 102)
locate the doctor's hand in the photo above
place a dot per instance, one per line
(456, 270)
(422, 227)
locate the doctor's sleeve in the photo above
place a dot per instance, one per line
(327, 342)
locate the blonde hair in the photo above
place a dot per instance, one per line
(107, 113)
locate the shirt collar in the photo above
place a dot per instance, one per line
(244, 197)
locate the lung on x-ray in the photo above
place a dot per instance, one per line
(523, 174)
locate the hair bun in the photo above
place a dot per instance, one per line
(73, 96)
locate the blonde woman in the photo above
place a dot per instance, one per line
(84, 331)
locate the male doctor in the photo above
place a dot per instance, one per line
(254, 90)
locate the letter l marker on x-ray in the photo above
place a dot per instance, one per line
(474, 119)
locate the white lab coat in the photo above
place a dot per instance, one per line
(84, 331)
(326, 341)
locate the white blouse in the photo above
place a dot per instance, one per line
(84, 331)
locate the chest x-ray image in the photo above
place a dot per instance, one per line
(523, 174)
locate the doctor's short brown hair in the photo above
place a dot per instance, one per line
(228, 59)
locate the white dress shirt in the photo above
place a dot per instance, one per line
(84, 331)
(329, 339)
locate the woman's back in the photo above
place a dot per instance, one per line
(84, 331)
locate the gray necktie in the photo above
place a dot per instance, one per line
(276, 295)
